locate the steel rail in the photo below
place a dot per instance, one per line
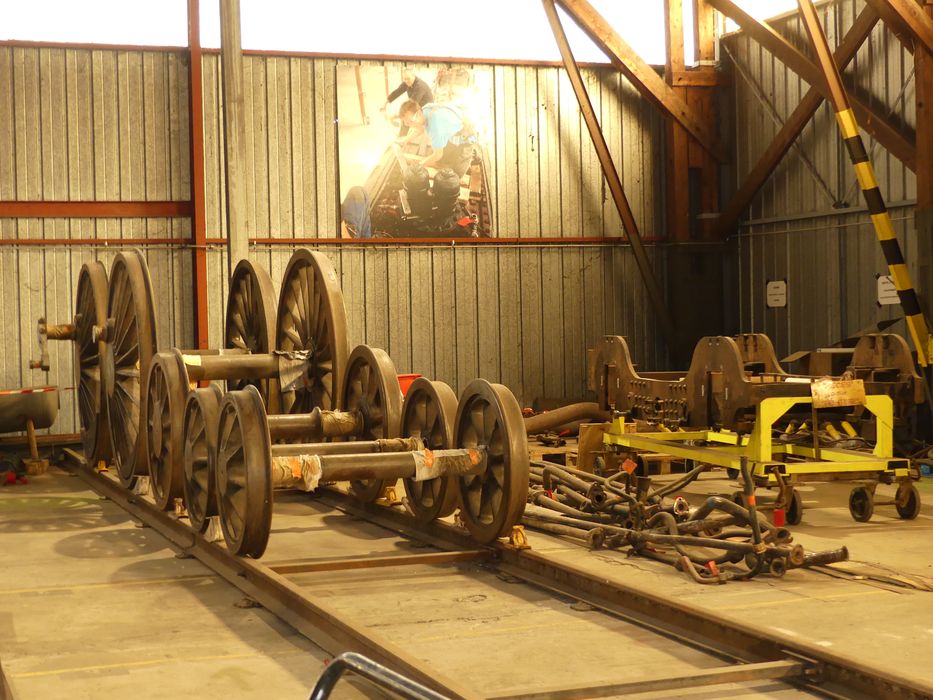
(754, 652)
(310, 615)
(827, 673)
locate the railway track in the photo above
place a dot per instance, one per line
(746, 653)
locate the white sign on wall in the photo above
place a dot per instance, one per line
(887, 292)
(776, 294)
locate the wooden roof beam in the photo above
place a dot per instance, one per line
(643, 76)
(889, 137)
(910, 15)
(802, 114)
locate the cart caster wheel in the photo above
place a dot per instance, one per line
(861, 504)
(911, 507)
(795, 508)
(732, 473)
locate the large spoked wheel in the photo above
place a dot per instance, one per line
(90, 311)
(428, 412)
(250, 324)
(493, 500)
(244, 463)
(861, 504)
(129, 349)
(312, 317)
(200, 454)
(166, 393)
(371, 387)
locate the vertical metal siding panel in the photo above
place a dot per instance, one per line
(549, 155)
(529, 147)
(301, 123)
(611, 122)
(213, 145)
(420, 313)
(329, 226)
(468, 329)
(261, 168)
(487, 313)
(351, 281)
(376, 297)
(530, 324)
(572, 330)
(592, 175)
(511, 309)
(555, 316)
(444, 302)
(570, 159)
(408, 288)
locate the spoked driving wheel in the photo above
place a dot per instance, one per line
(201, 416)
(166, 393)
(428, 412)
(244, 463)
(250, 324)
(131, 343)
(90, 311)
(312, 317)
(371, 387)
(493, 500)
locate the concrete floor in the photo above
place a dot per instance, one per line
(98, 608)
(93, 607)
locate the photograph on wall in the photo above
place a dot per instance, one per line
(415, 149)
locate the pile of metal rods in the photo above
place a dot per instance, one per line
(624, 511)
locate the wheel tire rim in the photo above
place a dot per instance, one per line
(493, 501)
(371, 386)
(312, 316)
(428, 412)
(90, 310)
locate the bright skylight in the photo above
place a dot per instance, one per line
(503, 29)
(506, 29)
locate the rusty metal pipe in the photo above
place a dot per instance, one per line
(830, 556)
(551, 420)
(60, 331)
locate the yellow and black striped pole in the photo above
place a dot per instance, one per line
(880, 218)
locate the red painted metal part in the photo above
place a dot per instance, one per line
(93, 210)
(196, 160)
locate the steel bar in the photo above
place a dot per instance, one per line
(310, 615)
(881, 220)
(655, 296)
(359, 447)
(94, 210)
(315, 425)
(231, 366)
(739, 673)
(429, 559)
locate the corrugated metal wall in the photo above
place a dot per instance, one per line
(86, 125)
(808, 224)
(104, 124)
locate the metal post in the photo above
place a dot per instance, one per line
(231, 57)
